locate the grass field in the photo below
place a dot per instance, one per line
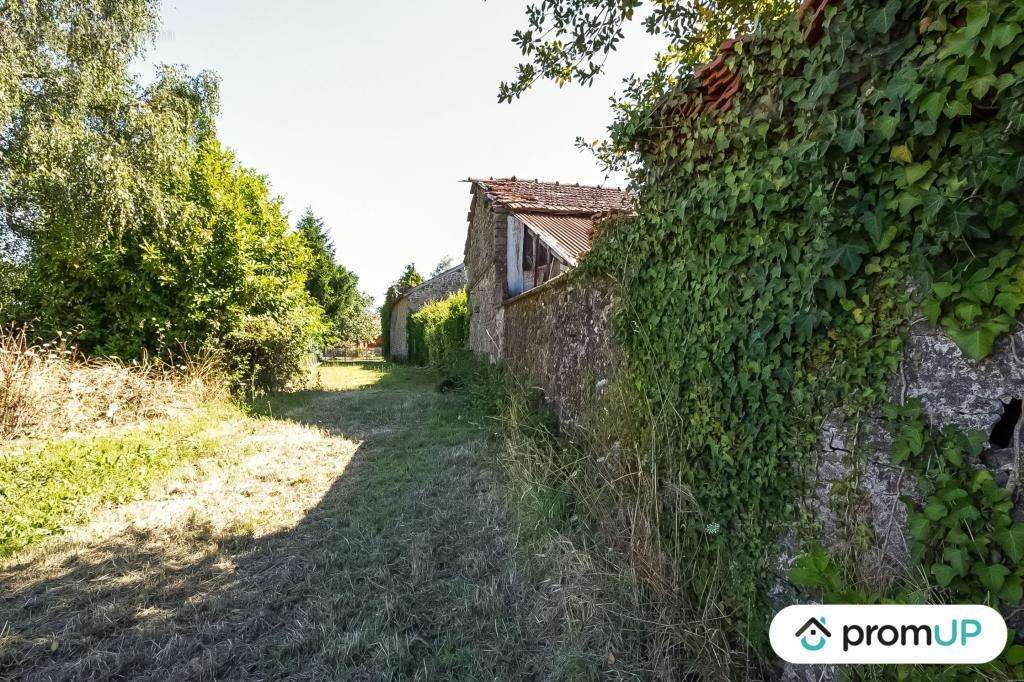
(355, 531)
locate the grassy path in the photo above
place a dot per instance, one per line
(357, 533)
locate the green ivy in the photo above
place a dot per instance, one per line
(780, 248)
(961, 531)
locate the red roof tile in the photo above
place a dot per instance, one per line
(717, 85)
(551, 197)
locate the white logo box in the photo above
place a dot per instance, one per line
(815, 633)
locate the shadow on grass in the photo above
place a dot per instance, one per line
(403, 568)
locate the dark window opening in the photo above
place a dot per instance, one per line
(1002, 432)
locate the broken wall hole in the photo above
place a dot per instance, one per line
(1002, 432)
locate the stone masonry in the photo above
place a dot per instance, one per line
(485, 262)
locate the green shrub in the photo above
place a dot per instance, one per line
(439, 331)
(267, 351)
(123, 214)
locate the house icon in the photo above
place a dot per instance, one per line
(815, 629)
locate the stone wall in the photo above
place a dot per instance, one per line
(559, 336)
(954, 390)
(445, 284)
(485, 264)
(399, 329)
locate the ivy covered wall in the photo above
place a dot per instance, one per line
(866, 173)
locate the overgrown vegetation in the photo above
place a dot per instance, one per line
(779, 250)
(122, 215)
(439, 331)
(76, 434)
(336, 289)
(569, 41)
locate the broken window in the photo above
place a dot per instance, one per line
(529, 243)
(531, 262)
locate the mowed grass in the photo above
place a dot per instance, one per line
(49, 485)
(363, 536)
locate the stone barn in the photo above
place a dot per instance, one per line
(434, 289)
(523, 236)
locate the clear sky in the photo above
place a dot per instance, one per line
(372, 112)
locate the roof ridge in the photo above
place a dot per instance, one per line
(554, 183)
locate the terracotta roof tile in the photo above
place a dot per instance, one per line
(551, 197)
(717, 85)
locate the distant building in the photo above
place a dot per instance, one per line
(522, 234)
(434, 289)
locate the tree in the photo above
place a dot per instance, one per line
(568, 41)
(446, 263)
(131, 221)
(410, 278)
(335, 287)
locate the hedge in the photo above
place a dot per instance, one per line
(439, 330)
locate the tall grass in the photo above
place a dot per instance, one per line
(590, 500)
(48, 389)
(76, 433)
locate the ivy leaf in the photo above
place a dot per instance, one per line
(1012, 591)
(1009, 302)
(1012, 541)
(968, 312)
(943, 574)
(956, 560)
(920, 528)
(812, 569)
(992, 577)
(944, 290)
(902, 154)
(933, 104)
(916, 171)
(974, 343)
(981, 85)
(977, 19)
(935, 510)
(886, 126)
(1001, 35)
(1015, 654)
(848, 257)
(881, 20)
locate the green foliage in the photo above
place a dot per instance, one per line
(962, 534)
(45, 487)
(335, 288)
(229, 274)
(136, 226)
(778, 246)
(568, 40)
(439, 331)
(410, 278)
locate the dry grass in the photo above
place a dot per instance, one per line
(49, 389)
(592, 514)
(359, 534)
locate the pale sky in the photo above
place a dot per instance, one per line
(372, 112)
